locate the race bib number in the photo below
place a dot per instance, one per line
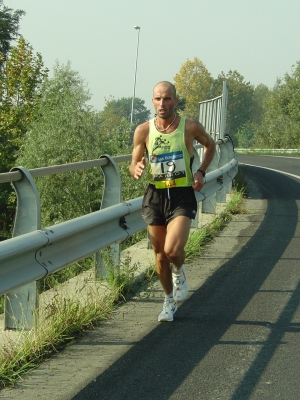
(168, 169)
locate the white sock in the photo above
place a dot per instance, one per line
(177, 271)
(169, 298)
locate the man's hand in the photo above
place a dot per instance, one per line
(198, 181)
(139, 168)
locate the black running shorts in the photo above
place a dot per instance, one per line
(160, 206)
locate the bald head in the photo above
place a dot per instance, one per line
(166, 85)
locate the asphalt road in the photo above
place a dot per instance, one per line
(236, 337)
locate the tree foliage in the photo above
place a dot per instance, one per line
(9, 27)
(122, 108)
(20, 77)
(193, 82)
(281, 124)
(247, 134)
(261, 95)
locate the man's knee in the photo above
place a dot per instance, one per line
(160, 256)
(174, 253)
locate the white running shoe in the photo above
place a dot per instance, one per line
(180, 288)
(168, 311)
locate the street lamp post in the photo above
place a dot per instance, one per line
(134, 82)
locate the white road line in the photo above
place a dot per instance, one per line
(271, 169)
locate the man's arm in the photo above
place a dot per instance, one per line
(197, 131)
(138, 161)
(209, 148)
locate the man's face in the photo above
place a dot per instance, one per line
(164, 101)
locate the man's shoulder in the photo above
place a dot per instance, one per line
(191, 122)
(142, 130)
(192, 125)
(143, 126)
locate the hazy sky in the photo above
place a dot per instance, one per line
(258, 38)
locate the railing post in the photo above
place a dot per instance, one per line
(112, 195)
(195, 166)
(20, 305)
(223, 160)
(230, 150)
(209, 204)
(223, 111)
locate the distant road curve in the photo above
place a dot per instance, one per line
(283, 164)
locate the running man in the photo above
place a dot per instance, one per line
(169, 202)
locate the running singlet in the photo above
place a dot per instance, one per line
(169, 159)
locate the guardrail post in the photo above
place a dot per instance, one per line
(195, 166)
(230, 150)
(223, 160)
(209, 204)
(20, 305)
(112, 195)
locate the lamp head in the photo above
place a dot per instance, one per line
(136, 27)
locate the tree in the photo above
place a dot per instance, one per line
(245, 137)
(122, 109)
(9, 27)
(260, 98)
(240, 101)
(20, 77)
(193, 82)
(281, 123)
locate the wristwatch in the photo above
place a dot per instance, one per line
(202, 172)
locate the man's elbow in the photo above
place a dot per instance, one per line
(211, 147)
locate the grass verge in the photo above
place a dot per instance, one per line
(200, 237)
(64, 318)
(58, 324)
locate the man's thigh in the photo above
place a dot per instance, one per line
(157, 235)
(177, 233)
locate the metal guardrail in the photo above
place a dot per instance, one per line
(35, 255)
(275, 151)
